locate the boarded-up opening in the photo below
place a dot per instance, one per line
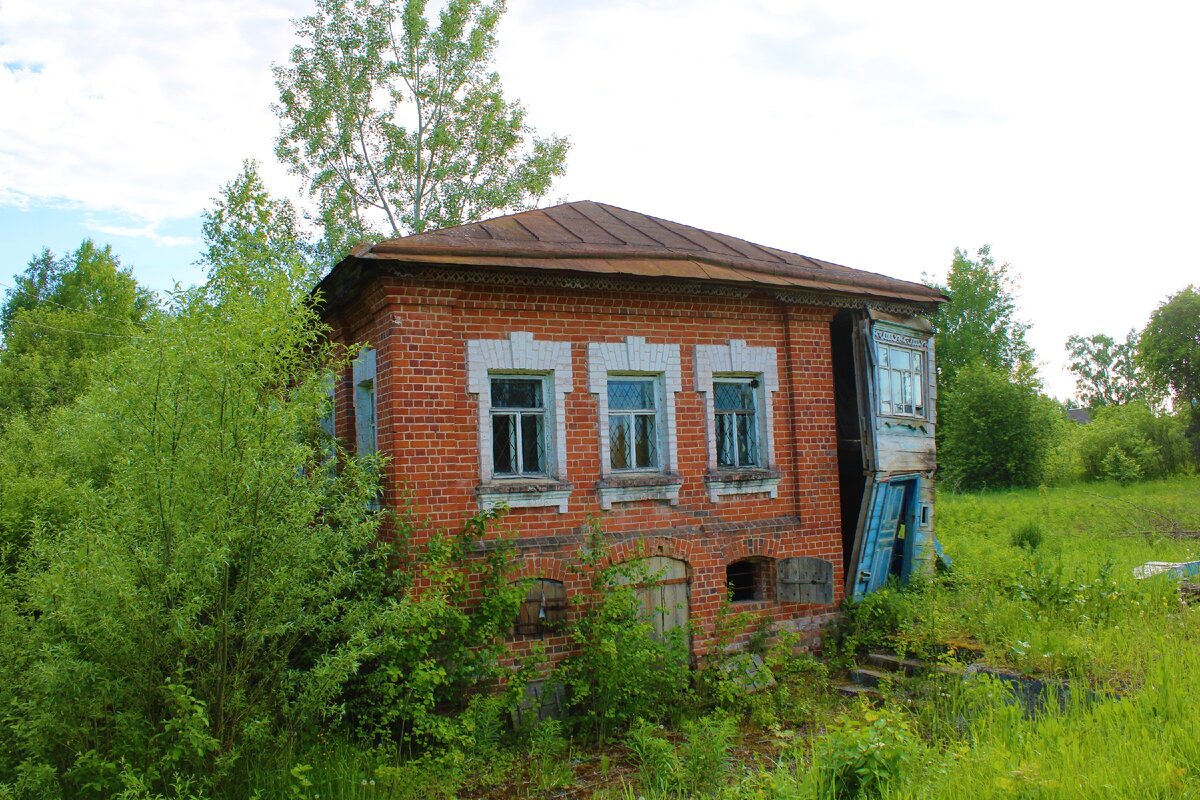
(851, 464)
(662, 587)
(749, 579)
(544, 609)
(805, 580)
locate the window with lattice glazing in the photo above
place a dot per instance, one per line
(518, 426)
(633, 424)
(735, 401)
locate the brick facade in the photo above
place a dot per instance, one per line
(431, 427)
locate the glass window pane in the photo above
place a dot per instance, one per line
(747, 440)
(897, 393)
(504, 444)
(733, 397)
(725, 443)
(516, 393)
(618, 441)
(885, 391)
(630, 395)
(532, 444)
(645, 441)
(917, 395)
(899, 359)
(906, 389)
(883, 357)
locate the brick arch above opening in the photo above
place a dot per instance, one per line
(548, 567)
(751, 547)
(666, 546)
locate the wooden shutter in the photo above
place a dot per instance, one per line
(805, 580)
(364, 402)
(544, 608)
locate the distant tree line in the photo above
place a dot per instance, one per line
(998, 429)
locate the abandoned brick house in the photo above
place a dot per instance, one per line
(754, 421)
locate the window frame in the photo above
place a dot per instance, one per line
(658, 414)
(756, 412)
(887, 342)
(544, 413)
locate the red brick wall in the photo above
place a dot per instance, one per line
(428, 426)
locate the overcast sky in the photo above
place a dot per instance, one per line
(880, 135)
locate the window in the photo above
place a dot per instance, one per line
(633, 423)
(735, 402)
(518, 426)
(738, 384)
(521, 384)
(748, 579)
(544, 609)
(901, 379)
(364, 402)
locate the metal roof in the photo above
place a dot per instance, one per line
(590, 237)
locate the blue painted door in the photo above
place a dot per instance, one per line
(887, 511)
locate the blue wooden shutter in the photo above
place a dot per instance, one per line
(364, 402)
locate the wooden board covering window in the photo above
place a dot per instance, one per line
(544, 608)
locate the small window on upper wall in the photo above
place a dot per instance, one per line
(518, 426)
(633, 424)
(735, 402)
(901, 381)
(544, 609)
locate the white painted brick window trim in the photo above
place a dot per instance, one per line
(521, 354)
(737, 360)
(636, 356)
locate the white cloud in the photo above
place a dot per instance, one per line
(148, 230)
(138, 107)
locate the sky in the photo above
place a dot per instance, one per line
(875, 134)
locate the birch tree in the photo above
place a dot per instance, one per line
(398, 124)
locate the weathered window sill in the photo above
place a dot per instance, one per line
(631, 487)
(743, 481)
(524, 493)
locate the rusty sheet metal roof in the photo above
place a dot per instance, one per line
(591, 237)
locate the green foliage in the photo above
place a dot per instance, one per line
(1108, 373)
(432, 647)
(170, 612)
(62, 315)
(1170, 346)
(622, 672)
(252, 238)
(1170, 351)
(698, 767)
(869, 623)
(865, 755)
(1028, 537)
(995, 432)
(398, 123)
(1131, 442)
(979, 325)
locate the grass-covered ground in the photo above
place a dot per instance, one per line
(1042, 583)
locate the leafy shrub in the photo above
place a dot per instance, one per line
(864, 757)
(994, 432)
(697, 767)
(1130, 442)
(869, 623)
(1028, 537)
(621, 672)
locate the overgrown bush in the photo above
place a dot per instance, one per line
(867, 756)
(697, 767)
(1131, 442)
(622, 672)
(1028, 536)
(994, 432)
